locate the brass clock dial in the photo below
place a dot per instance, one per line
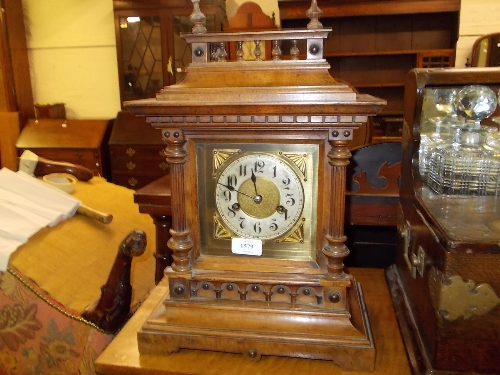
(259, 196)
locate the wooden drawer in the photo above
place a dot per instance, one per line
(137, 152)
(83, 142)
(134, 180)
(149, 165)
(134, 151)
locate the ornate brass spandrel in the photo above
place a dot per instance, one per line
(453, 297)
(297, 235)
(300, 160)
(220, 231)
(220, 156)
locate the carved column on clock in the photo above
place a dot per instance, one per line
(180, 243)
(336, 250)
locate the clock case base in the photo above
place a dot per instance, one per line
(255, 328)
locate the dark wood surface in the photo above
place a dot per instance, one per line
(155, 199)
(137, 152)
(372, 195)
(83, 142)
(298, 8)
(122, 355)
(112, 310)
(16, 89)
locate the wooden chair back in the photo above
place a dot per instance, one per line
(372, 195)
(250, 16)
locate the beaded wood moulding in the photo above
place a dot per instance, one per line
(258, 155)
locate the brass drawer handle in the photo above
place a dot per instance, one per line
(131, 166)
(163, 152)
(132, 181)
(130, 152)
(163, 166)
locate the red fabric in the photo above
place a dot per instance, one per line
(39, 336)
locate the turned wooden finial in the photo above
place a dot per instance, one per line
(313, 14)
(197, 18)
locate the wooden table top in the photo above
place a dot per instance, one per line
(122, 356)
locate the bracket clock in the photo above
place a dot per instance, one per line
(258, 153)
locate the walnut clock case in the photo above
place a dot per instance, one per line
(445, 283)
(258, 154)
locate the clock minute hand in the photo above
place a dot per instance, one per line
(231, 188)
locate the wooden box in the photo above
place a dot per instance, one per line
(83, 142)
(445, 283)
(137, 152)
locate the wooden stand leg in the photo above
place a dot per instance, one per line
(163, 254)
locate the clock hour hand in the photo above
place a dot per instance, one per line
(231, 188)
(254, 180)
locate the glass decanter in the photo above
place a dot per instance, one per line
(440, 115)
(465, 166)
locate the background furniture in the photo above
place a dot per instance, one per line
(10, 132)
(58, 273)
(445, 283)
(155, 199)
(137, 153)
(122, 357)
(372, 199)
(151, 54)
(83, 142)
(150, 51)
(486, 51)
(373, 44)
(249, 16)
(15, 93)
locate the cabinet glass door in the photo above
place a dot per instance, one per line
(141, 56)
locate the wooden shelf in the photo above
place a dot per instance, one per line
(385, 84)
(373, 44)
(388, 52)
(296, 9)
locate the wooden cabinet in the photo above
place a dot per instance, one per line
(445, 283)
(373, 44)
(136, 151)
(83, 142)
(151, 53)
